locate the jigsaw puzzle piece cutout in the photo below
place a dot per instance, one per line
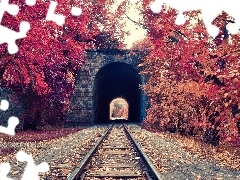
(231, 7)
(12, 9)
(234, 28)
(30, 2)
(4, 170)
(59, 18)
(51, 16)
(180, 5)
(12, 123)
(4, 105)
(210, 10)
(180, 20)
(31, 171)
(9, 36)
(208, 15)
(156, 7)
(76, 11)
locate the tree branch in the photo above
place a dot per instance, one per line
(137, 23)
(177, 31)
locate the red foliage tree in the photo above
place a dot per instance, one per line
(43, 71)
(192, 77)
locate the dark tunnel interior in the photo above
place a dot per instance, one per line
(117, 80)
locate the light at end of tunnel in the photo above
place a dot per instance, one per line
(118, 109)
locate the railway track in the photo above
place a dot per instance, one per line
(115, 156)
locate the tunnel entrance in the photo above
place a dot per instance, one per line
(117, 80)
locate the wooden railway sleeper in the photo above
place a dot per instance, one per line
(110, 159)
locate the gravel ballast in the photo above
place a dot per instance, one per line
(62, 154)
(174, 161)
(174, 158)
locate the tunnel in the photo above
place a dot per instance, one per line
(117, 80)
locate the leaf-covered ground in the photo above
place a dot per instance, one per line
(175, 156)
(37, 136)
(31, 136)
(62, 150)
(178, 157)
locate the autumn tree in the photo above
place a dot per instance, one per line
(192, 76)
(43, 71)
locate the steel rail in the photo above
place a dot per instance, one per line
(76, 174)
(152, 171)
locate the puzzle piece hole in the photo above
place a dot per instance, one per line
(76, 11)
(13, 121)
(4, 170)
(4, 105)
(30, 2)
(24, 27)
(156, 7)
(13, 9)
(31, 170)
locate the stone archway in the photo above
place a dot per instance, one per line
(82, 103)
